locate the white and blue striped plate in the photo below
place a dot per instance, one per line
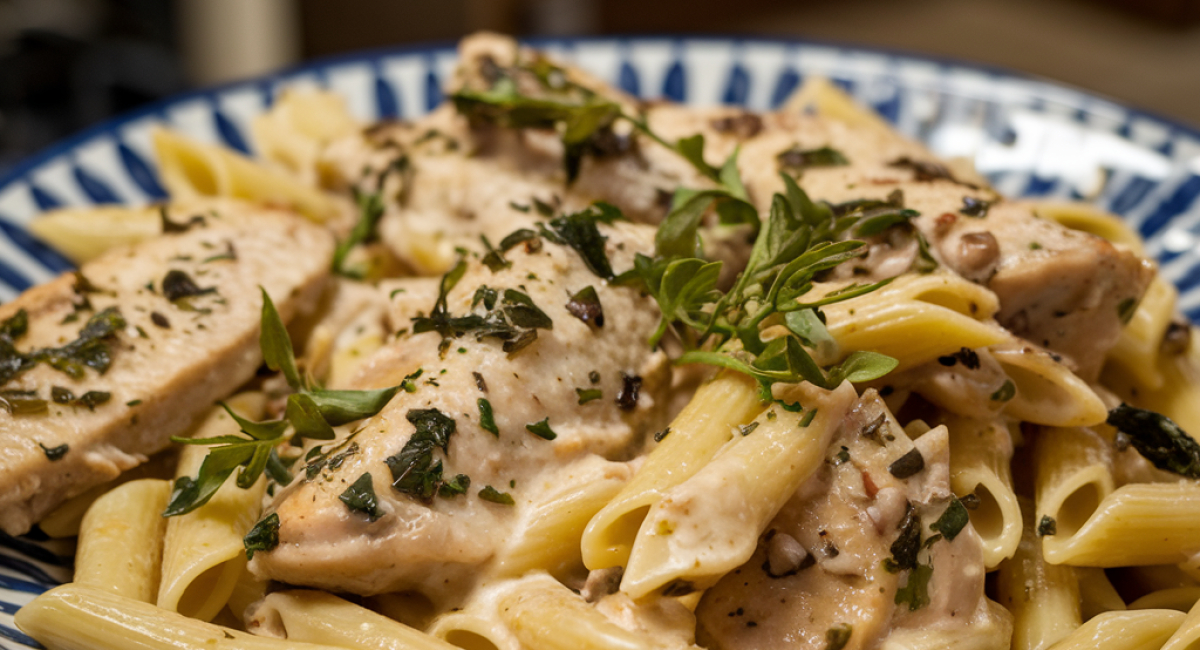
(1032, 138)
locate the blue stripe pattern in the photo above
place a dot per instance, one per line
(920, 109)
(140, 172)
(96, 190)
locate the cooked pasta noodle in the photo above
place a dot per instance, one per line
(468, 424)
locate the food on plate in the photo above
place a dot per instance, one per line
(553, 367)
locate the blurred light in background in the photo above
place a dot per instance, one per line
(65, 64)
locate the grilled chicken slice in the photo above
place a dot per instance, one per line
(437, 543)
(172, 326)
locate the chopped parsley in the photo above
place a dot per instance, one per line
(178, 285)
(360, 497)
(173, 227)
(22, 402)
(91, 349)
(264, 536)
(1007, 391)
(489, 493)
(542, 429)
(838, 636)
(908, 464)
(908, 543)
(915, 592)
(512, 317)
(487, 420)
(89, 400)
(1158, 439)
(1126, 309)
(588, 394)
(414, 471)
(953, 519)
(370, 210)
(747, 429)
(795, 159)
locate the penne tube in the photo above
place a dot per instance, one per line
(1176, 398)
(1137, 524)
(299, 126)
(1096, 593)
(704, 426)
(980, 452)
(120, 540)
(818, 95)
(1180, 599)
(709, 524)
(1047, 392)
(203, 553)
(1136, 352)
(321, 618)
(916, 319)
(193, 169)
(1145, 629)
(75, 617)
(1073, 476)
(1043, 598)
(84, 234)
(549, 536)
(1187, 636)
(545, 615)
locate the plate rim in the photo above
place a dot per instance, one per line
(432, 47)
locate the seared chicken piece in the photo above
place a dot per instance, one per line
(168, 327)
(583, 385)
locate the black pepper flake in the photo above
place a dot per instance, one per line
(594, 377)
(966, 356)
(1047, 526)
(54, 453)
(908, 464)
(974, 208)
(747, 429)
(628, 397)
(875, 429)
(479, 382)
(677, 588)
(160, 320)
(658, 437)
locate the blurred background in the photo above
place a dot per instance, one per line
(65, 64)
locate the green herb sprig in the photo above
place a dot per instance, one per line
(370, 210)
(725, 328)
(311, 412)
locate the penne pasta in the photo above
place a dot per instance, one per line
(324, 619)
(693, 538)
(696, 434)
(203, 553)
(121, 538)
(1136, 524)
(75, 617)
(192, 169)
